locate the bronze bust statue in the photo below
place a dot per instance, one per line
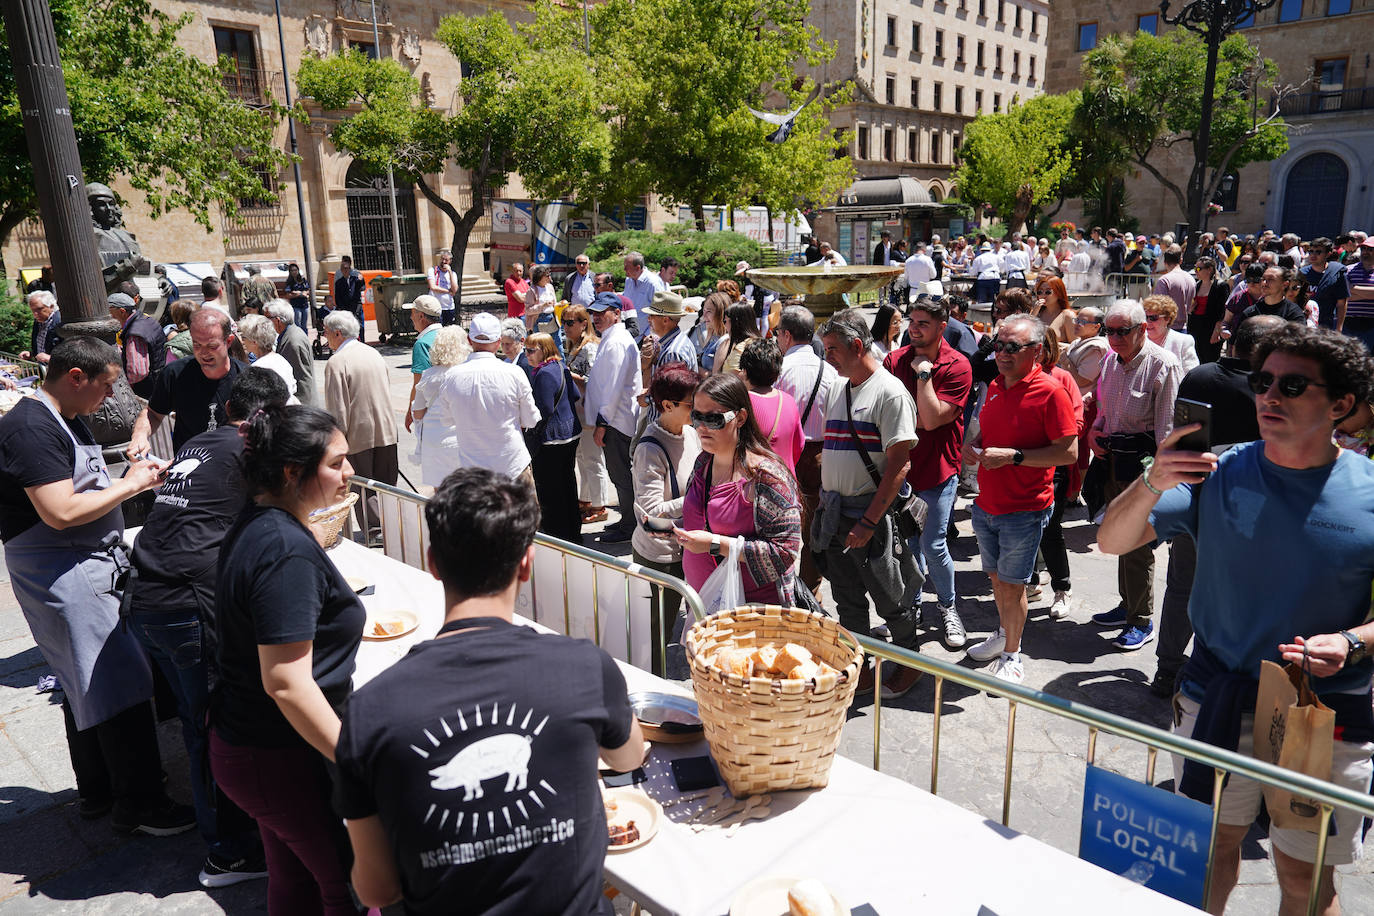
(121, 257)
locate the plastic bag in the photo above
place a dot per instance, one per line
(723, 590)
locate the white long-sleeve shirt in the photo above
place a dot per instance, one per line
(987, 266)
(799, 367)
(613, 381)
(487, 402)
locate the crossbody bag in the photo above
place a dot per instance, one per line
(904, 523)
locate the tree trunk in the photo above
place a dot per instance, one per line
(463, 222)
(699, 214)
(768, 215)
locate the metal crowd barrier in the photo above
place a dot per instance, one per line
(1328, 795)
(563, 570)
(617, 616)
(1129, 286)
(21, 368)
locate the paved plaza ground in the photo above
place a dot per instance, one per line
(52, 862)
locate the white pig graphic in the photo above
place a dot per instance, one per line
(500, 755)
(183, 468)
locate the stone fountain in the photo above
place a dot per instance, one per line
(823, 288)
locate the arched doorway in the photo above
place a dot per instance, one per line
(1314, 196)
(369, 221)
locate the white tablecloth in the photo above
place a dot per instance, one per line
(871, 838)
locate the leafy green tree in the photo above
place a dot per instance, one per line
(145, 110)
(1018, 160)
(677, 78)
(525, 108)
(703, 257)
(1143, 94)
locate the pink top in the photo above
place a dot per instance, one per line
(1070, 387)
(731, 515)
(780, 422)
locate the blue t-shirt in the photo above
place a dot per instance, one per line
(419, 354)
(1280, 553)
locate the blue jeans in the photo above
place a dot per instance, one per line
(174, 642)
(302, 316)
(1007, 543)
(931, 549)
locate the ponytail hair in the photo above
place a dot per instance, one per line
(276, 437)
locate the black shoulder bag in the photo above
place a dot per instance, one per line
(904, 523)
(810, 402)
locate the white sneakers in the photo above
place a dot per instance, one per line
(1008, 669)
(989, 648)
(1062, 605)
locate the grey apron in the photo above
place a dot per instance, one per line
(65, 584)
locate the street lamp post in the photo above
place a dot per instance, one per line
(58, 180)
(1213, 20)
(296, 164)
(390, 176)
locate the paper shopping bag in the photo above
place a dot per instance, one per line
(1295, 730)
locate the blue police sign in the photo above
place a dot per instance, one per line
(1147, 835)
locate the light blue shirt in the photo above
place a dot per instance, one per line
(641, 292)
(580, 290)
(1280, 553)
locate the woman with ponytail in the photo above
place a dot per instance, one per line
(287, 627)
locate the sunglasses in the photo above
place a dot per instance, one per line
(712, 420)
(1082, 321)
(533, 350)
(1010, 346)
(1290, 386)
(1153, 318)
(1120, 332)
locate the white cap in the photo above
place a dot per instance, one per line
(485, 328)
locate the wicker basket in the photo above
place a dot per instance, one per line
(327, 524)
(768, 735)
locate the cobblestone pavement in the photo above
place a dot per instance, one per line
(53, 862)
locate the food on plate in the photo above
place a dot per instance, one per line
(623, 834)
(810, 897)
(790, 662)
(390, 627)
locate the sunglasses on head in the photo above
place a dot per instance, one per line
(1009, 346)
(712, 420)
(1290, 386)
(1120, 332)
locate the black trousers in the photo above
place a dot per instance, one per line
(1052, 549)
(555, 483)
(117, 760)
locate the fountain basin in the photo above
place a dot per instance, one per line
(823, 289)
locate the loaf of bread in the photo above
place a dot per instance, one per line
(810, 898)
(791, 662)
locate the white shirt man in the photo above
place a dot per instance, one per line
(920, 270)
(612, 388)
(1016, 262)
(829, 256)
(488, 401)
(987, 266)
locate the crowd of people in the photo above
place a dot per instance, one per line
(827, 460)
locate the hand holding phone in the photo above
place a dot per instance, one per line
(1188, 412)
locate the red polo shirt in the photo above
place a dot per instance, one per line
(1031, 414)
(935, 458)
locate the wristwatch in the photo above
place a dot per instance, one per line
(924, 375)
(1358, 650)
(715, 547)
(1019, 457)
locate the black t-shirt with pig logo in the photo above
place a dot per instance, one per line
(478, 751)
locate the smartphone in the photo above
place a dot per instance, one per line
(1188, 412)
(693, 773)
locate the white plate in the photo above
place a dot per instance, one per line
(634, 805)
(768, 897)
(409, 620)
(358, 583)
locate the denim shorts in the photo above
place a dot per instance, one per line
(1008, 543)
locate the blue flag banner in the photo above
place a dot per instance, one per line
(1146, 835)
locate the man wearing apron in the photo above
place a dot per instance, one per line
(61, 522)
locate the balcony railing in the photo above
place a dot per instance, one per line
(254, 86)
(1325, 102)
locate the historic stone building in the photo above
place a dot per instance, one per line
(922, 70)
(1325, 182)
(348, 210)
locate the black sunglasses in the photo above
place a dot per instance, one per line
(1290, 386)
(1010, 346)
(1120, 332)
(712, 420)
